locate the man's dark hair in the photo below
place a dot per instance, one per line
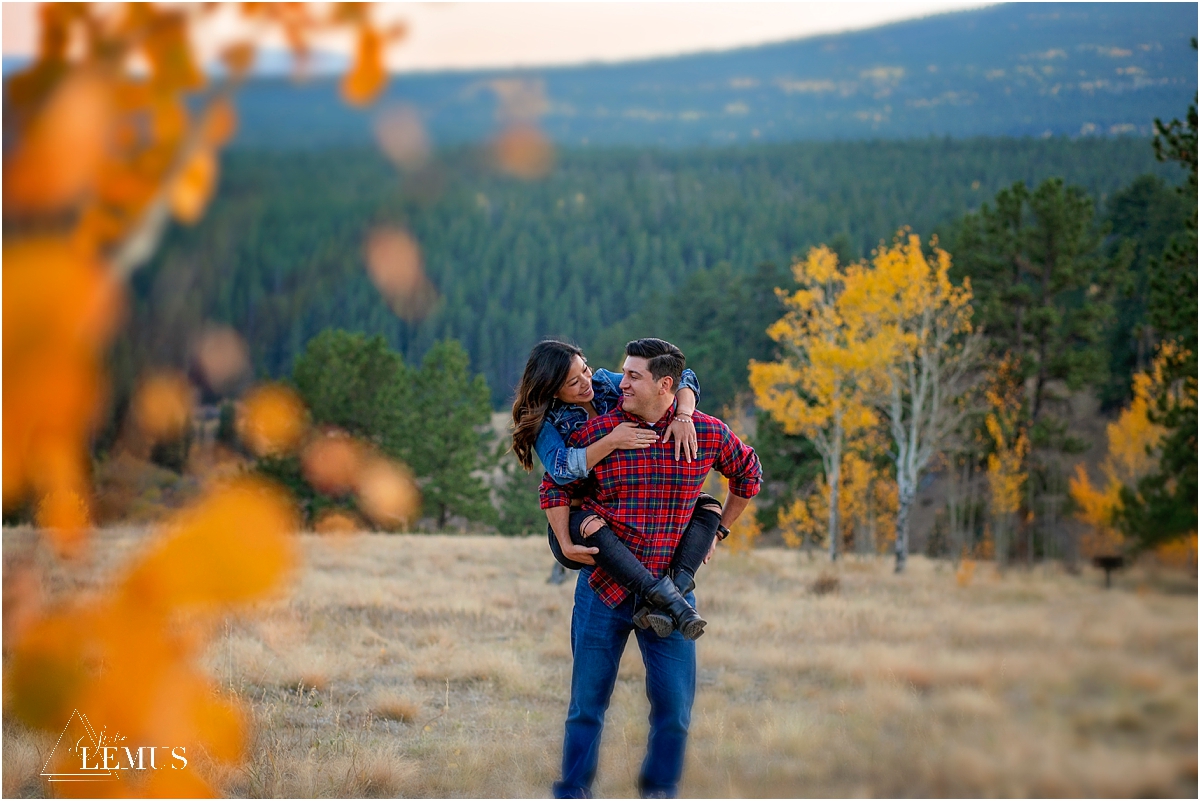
(664, 358)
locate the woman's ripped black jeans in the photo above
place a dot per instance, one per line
(623, 566)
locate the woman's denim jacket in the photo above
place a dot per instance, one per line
(568, 464)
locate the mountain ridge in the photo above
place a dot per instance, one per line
(1006, 70)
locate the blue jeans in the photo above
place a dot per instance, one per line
(598, 637)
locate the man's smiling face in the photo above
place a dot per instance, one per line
(643, 395)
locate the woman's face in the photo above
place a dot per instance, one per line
(578, 386)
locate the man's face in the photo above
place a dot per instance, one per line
(643, 395)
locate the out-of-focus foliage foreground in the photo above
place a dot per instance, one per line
(113, 130)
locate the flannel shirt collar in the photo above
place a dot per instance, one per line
(663, 421)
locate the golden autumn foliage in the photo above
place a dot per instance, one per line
(1132, 443)
(1006, 468)
(921, 332)
(822, 382)
(112, 130)
(820, 388)
(867, 506)
(129, 655)
(804, 519)
(744, 532)
(889, 341)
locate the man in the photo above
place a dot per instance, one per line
(646, 498)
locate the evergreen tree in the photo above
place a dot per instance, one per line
(520, 512)
(790, 462)
(1043, 283)
(359, 385)
(447, 446)
(1164, 505)
(1147, 214)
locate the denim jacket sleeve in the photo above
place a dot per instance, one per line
(689, 380)
(562, 463)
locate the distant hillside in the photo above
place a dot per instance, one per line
(1016, 70)
(279, 253)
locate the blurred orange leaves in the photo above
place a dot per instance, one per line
(58, 158)
(128, 657)
(367, 77)
(194, 567)
(394, 265)
(162, 405)
(331, 463)
(191, 191)
(273, 420)
(524, 152)
(221, 356)
(60, 309)
(402, 137)
(112, 128)
(387, 493)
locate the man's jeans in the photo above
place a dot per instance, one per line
(598, 637)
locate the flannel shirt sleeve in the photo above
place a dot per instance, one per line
(552, 494)
(738, 462)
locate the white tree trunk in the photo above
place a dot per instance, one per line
(835, 485)
(906, 498)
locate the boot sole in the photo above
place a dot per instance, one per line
(640, 617)
(693, 630)
(662, 625)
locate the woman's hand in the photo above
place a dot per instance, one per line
(631, 436)
(684, 431)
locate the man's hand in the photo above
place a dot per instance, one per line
(712, 550)
(684, 432)
(579, 553)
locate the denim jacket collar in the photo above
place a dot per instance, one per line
(567, 417)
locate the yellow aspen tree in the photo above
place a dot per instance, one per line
(918, 324)
(817, 390)
(1007, 441)
(1133, 443)
(800, 522)
(1006, 479)
(868, 497)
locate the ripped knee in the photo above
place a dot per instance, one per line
(710, 504)
(591, 525)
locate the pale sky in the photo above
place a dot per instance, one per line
(480, 35)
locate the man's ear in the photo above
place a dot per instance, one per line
(666, 385)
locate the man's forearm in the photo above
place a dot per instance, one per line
(560, 523)
(734, 506)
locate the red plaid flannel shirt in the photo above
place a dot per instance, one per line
(647, 497)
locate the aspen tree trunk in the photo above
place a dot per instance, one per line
(907, 493)
(833, 476)
(835, 480)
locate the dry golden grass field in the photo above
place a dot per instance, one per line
(439, 666)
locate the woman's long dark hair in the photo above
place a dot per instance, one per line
(547, 369)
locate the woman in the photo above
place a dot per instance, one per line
(557, 394)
